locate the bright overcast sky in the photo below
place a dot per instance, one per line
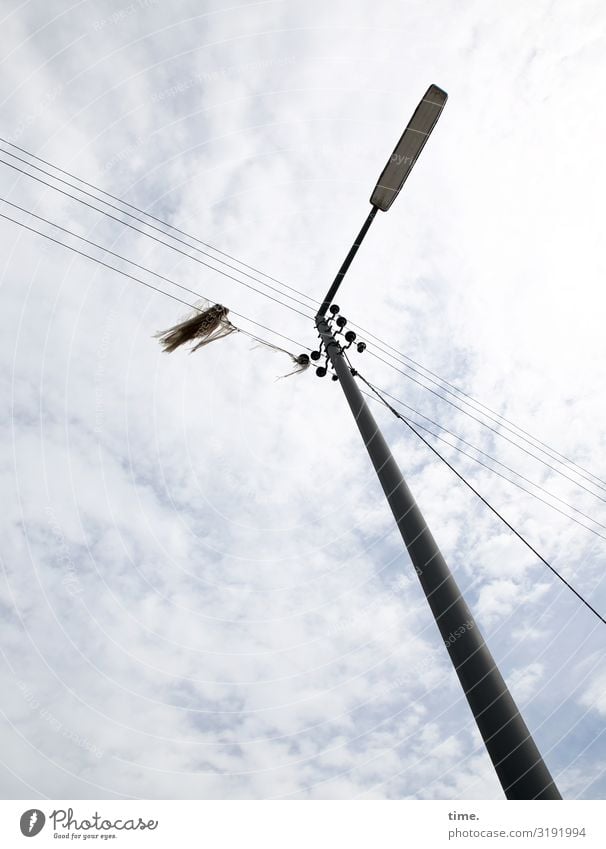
(203, 594)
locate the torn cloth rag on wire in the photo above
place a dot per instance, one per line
(207, 324)
(210, 322)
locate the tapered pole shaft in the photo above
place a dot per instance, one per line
(514, 754)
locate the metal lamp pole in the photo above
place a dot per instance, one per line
(514, 754)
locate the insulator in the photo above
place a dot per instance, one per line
(321, 371)
(315, 355)
(350, 336)
(334, 309)
(361, 346)
(341, 321)
(335, 377)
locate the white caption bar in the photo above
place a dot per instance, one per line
(298, 824)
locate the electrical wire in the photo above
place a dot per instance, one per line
(265, 341)
(154, 238)
(141, 211)
(374, 390)
(131, 262)
(494, 460)
(145, 283)
(497, 461)
(135, 218)
(178, 250)
(494, 430)
(384, 392)
(461, 477)
(437, 424)
(494, 417)
(491, 414)
(513, 483)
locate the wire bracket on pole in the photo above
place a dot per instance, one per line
(347, 340)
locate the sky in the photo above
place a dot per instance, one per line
(203, 594)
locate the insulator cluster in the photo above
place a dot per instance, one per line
(337, 324)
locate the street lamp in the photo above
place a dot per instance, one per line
(409, 147)
(514, 754)
(394, 174)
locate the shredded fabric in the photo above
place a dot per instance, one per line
(300, 361)
(210, 322)
(207, 324)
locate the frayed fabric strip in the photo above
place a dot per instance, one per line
(204, 326)
(209, 323)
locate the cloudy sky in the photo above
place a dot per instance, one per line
(202, 594)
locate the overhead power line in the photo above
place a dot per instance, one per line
(495, 431)
(513, 483)
(494, 417)
(498, 462)
(154, 218)
(154, 238)
(144, 282)
(485, 501)
(197, 294)
(382, 346)
(375, 391)
(135, 218)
